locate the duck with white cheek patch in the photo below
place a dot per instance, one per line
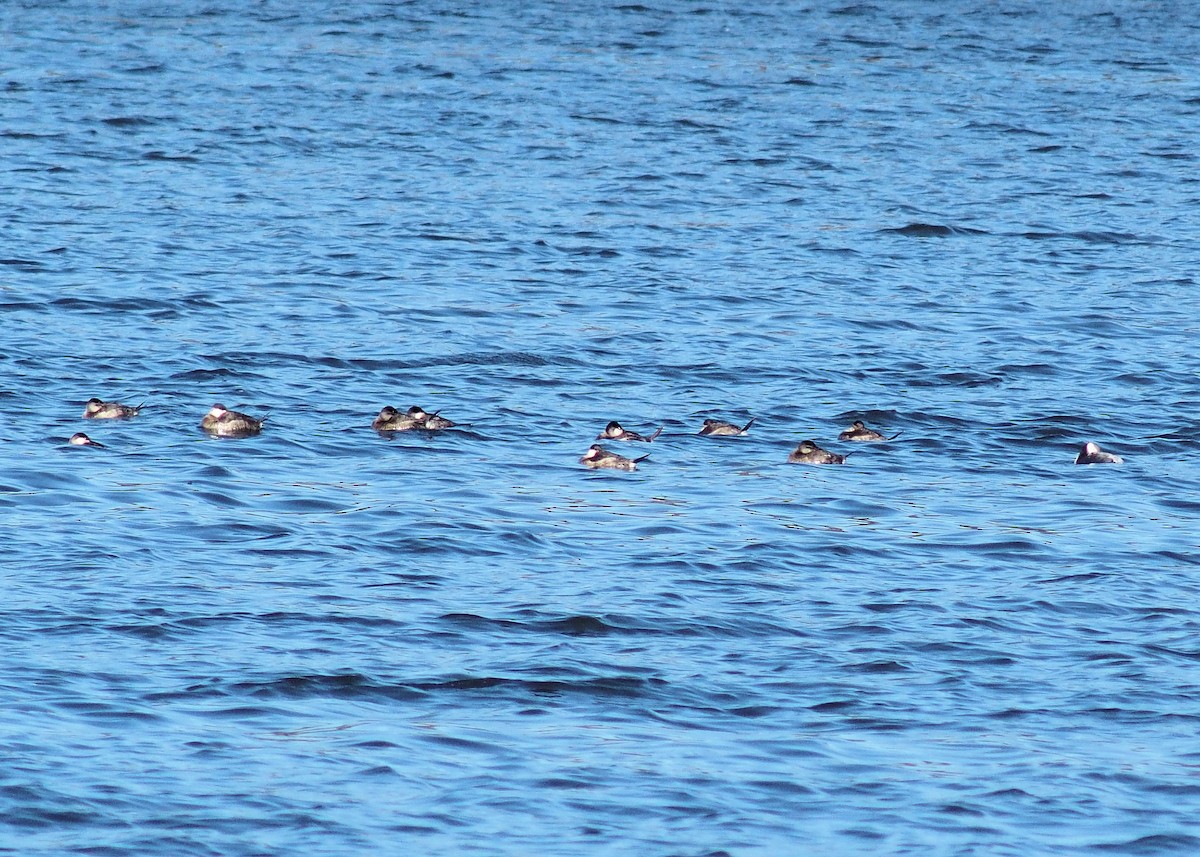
(859, 432)
(614, 431)
(1093, 454)
(807, 452)
(95, 409)
(428, 421)
(599, 458)
(390, 419)
(223, 422)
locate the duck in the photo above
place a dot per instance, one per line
(807, 452)
(390, 419)
(720, 428)
(613, 431)
(597, 457)
(428, 421)
(859, 431)
(95, 409)
(81, 439)
(222, 422)
(1093, 454)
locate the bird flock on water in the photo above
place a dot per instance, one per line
(222, 422)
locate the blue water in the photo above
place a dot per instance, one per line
(975, 226)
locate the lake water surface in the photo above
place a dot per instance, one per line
(973, 224)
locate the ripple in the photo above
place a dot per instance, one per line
(932, 230)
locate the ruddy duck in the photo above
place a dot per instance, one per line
(1093, 454)
(720, 428)
(613, 431)
(427, 421)
(598, 457)
(859, 431)
(98, 410)
(225, 423)
(81, 439)
(809, 453)
(390, 419)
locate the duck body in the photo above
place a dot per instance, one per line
(390, 419)
(599, 458)
(1093, 454)
(614, 431)
(720, 428)
(859, 432)
(222, 422)
(428, 421)
(95, 409)
(807, 452)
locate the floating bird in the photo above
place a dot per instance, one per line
(98, 410)
(720, 428)
(390, 419)
(613, 431)
(427, 421)
(1093, 454)
(859, 431)
(809, 453)
(225, 423)
(598, 457)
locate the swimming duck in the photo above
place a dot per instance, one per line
(859, 431)
(1093, 454)
(809, 453)
(720, 428)
(613, 431)
(81, 439)
(95, 409)
(390, 419)
(226, 423)
(427, 421)
(598, 457)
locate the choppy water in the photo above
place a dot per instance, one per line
(975, 227)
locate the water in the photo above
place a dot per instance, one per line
(977, 227)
